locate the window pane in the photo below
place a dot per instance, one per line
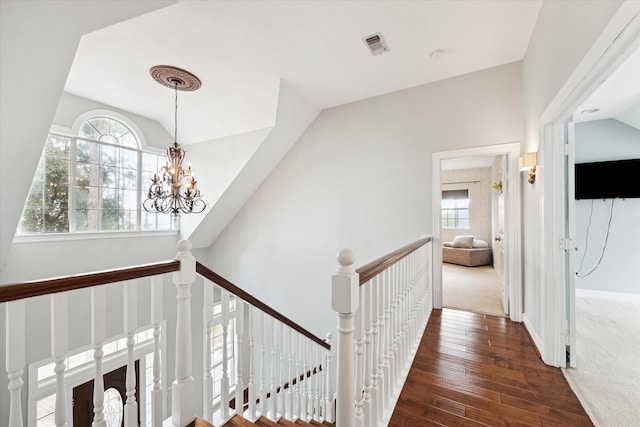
(109, 155)
(87, 152)
(110, 220)
(129, 159)
(150, 162)
(129, 179)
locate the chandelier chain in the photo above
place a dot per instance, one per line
(175, 114)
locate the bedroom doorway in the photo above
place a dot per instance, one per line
(472, 229)
(476, 234)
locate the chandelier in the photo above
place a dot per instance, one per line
(173, 189)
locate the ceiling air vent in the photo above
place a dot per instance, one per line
(376, 44)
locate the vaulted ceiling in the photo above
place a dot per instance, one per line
(241, 50)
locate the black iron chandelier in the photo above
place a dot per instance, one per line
(173, 189)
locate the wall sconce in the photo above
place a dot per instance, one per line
(528, 163)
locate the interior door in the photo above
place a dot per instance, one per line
(114, 381)
(569, 246)
(498, 245)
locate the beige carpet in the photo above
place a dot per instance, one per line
(474, 289)
(607, 377)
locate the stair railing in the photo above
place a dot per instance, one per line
(383, 308)
(16, 297)
(280, 369)
(296, 365)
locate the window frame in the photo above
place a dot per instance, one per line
(74, 136)
(455, 209)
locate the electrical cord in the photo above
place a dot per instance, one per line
(604, 247)
(586, 242)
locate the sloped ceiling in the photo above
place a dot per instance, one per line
(241, 49)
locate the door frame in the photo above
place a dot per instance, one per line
(513, 226)
(617, 41)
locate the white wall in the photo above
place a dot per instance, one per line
(602, 140)
(359, 177)
(564, 32)
(38, 40)
(619, 270)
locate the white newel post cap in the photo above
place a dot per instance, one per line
(187, 272)
(345, 297)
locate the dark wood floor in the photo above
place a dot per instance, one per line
(478, 370)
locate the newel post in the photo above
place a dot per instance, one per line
(183, 389)
(345, 301)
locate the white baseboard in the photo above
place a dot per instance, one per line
(532, 333)
(611, 296)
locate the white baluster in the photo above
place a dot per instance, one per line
(366, 396)
(388, 320)
(298, 403)
(375, 348)
(359, 359)
(15, 357)
(303, 378)
(98, 319)
(318, 377)
(130, 326)
(274, 385)
(240, 357)
(344, 300)
(224, 381)
(328, 405)
(183, 389)
(402, 356)
(59, 346)
(157, 404)
(263, 350)
(207, 378)
(394, 328)
(282, 379)
(382, 339)
(290, 376)
(251, 387)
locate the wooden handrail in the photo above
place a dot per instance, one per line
(224, 283)
(371, 270)
(79, 281)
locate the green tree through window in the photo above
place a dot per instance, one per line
(93, 182)
(47, 206)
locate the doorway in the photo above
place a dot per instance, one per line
(472, 230)
(509, 236)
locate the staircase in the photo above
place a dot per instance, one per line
(239, 421)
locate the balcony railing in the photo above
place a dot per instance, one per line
(255, 361)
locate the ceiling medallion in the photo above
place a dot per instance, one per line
(168, 76)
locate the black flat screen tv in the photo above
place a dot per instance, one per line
(608, 180)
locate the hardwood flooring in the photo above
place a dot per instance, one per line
(479, 370)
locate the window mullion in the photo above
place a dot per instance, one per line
(72, 184)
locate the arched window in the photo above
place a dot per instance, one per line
(92, 182)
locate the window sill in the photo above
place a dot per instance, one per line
(54, 237)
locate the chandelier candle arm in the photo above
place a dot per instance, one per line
(172, 190)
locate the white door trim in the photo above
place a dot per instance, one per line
(618, 40)
(512, 243)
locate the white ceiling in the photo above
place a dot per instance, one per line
(242, 49)
(617, 97)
